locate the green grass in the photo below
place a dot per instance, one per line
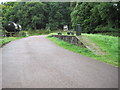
(6, 40)
(38, 32)
(111, 33)
(71, 47)
(63, 33)
(108, 44)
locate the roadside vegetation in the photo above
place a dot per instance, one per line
(92, 17)
(22, 34)
(6, 40)
(38, 18)
(108, 44)
(38, 32)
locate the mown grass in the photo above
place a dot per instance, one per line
(108, 44)
(6, 40)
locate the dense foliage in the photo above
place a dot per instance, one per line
(37, 15)
(93, 17)
(0, 17)
(96, 17)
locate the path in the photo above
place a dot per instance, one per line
(36, 62)
(91, 46)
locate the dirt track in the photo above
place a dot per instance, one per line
(36, 62)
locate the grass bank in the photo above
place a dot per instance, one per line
(108, 44)
(6, 40)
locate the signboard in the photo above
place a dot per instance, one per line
(65, 27)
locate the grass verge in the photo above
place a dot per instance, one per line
(110, 58)
(108, 44)
(6, 40)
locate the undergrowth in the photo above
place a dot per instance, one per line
(6, 40)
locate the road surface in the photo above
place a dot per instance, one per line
(36, 62)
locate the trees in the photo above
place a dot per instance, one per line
(58, 15)
(96, 17)
(81, 15)
(93, 17)
(0, 17)
(37, 15)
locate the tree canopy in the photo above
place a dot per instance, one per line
(37, 15)
(93, 17)
(96, 17)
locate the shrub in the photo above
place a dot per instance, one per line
(105, 29)
(22, 34)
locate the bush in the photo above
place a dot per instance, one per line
(6, 40)
(105, 29)
(22, 34)
(38, 32)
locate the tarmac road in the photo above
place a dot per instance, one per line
(36, 62)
